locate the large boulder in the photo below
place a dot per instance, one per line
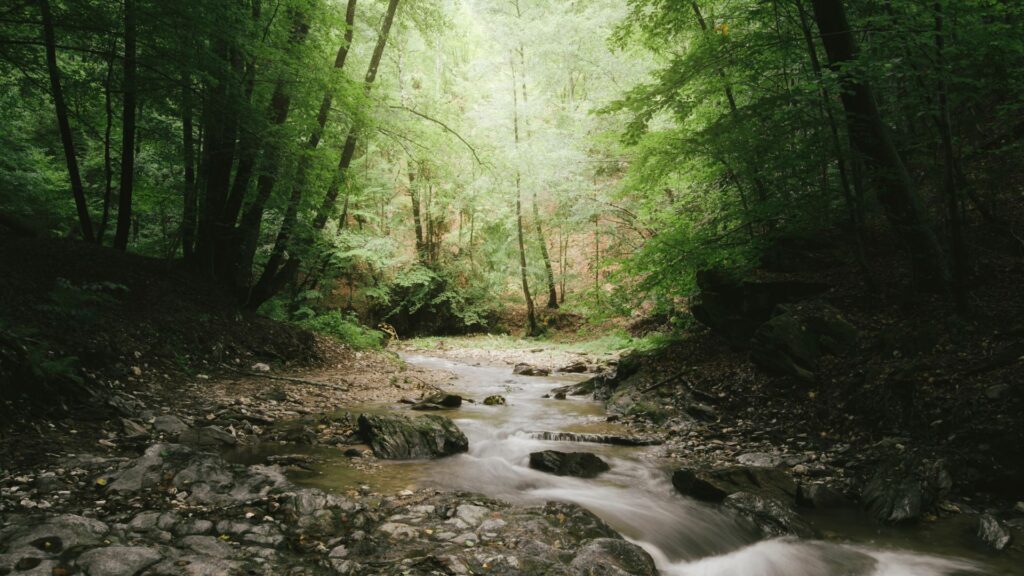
(993, 533)
(396, 437)
(612, 557)
(793, 342)
(716, 485)
(903, 491)
(771, 517)
(734, 308)
(524, 369)
(579, 464)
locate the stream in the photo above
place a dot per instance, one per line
(636, 497)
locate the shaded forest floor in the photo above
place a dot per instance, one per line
(95, 341)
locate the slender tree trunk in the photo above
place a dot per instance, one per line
(852, 204)
(871, 138)
(124, 200)
(188, 212)
(951, 180)
(552, 292)
(276, 274)
(350, 143)
(286, 231)
(414, 196)
(108, 171)
(531, 316)
(66, 138)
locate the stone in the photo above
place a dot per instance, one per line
(207, 545)
(904, 490)
(133, 429)
(793, 342)
(820, 496)
(524, 369)
(118, 560)
(612, 557)
(144, 521)
(579, 464)
(734, 308)
(70, 530)
(397, 437)
(170, 425)
(716, 485)
(207, 436)
(769, 515)
(760, 459)
(444, 400)
(993, 533)
(577, 367)
(495, 400)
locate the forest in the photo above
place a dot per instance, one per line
(703, 287)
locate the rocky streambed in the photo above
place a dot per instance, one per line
(536, 480)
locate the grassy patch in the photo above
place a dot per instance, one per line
(346, 329)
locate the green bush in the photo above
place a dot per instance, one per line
(345, 328)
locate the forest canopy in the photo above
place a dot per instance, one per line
(429, 163)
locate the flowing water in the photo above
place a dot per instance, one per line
(685, 537)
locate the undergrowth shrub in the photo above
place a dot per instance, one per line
(345, 328)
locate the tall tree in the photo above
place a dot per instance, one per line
(66, 138)
(870, 136)
(531, 315)
(124, 202)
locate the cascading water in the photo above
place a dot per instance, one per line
(684, 537)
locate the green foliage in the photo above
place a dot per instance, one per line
(346, 329)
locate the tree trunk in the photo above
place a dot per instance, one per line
(124, 201)
(531, 316)
(414, 196)
(852, 203)
(350, 143)
(871, 138)
(66, 138)
(552, 292)
(951, 172)
(108, 171)
(188, 212)
(285, 233)
(276, 275)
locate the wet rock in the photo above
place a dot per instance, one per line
(579, 464)
(612, 557)
(524, 369)
(903, 491)
(118, 560)
(396, 437)
(443, 400)
(170, 425)
(716, 485)
(770, 516)
(495, 400)
(793, 342)
(577, 367)
(207, 436)
(577, 522)
(559, 395)
(595, 438)
(820, 496)
(993, 533)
